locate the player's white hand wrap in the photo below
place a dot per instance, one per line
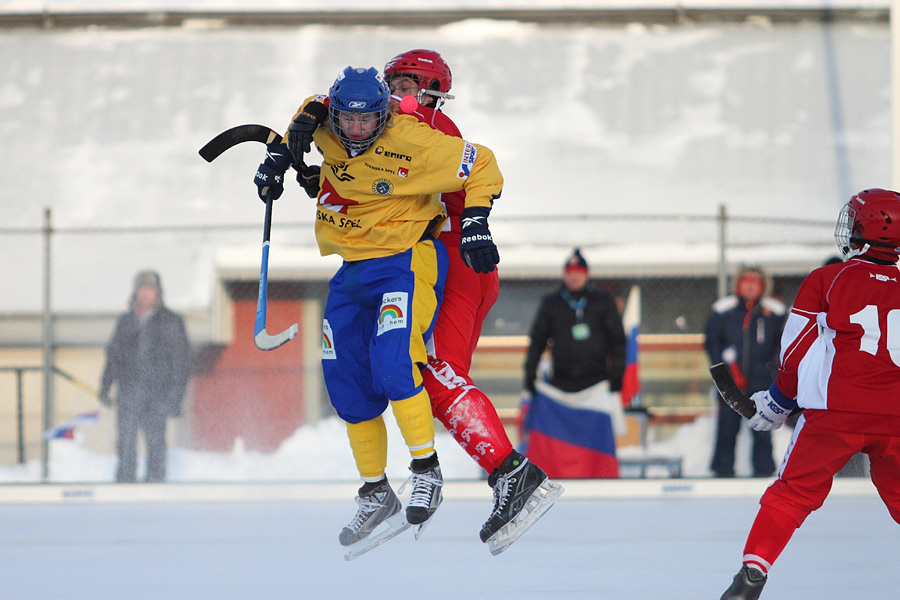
(769, 414)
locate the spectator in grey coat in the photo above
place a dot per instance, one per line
(148, 360)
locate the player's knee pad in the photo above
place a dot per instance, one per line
(368, 441)
(416, 424)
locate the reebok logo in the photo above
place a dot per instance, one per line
(471, 222)
(265, 178)
(476, 237)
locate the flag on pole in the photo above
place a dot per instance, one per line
(67, 430)
(631, 321)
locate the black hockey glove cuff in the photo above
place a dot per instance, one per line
(476, 245)
(300, 133)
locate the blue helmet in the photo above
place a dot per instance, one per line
(358, 107)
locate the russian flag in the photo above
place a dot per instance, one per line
(572, 435)
(631, 321)
(67, 430)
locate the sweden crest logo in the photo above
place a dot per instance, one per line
(383, 187)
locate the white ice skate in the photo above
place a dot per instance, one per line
(426, 494)
(378, 519)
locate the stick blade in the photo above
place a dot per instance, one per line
(237, 135)
(264, 341)
(730, 392)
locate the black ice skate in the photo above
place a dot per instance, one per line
(426, 494)
(378, 504)
(522, 494)
(747, 585)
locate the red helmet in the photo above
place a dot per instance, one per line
(430, 71)
(870, 224)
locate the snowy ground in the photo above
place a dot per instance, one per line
(641, 549)
(321, 452)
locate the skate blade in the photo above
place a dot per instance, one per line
(537, 505)
(395, 526)
(418, 529)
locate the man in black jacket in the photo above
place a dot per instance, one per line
(148, 359)
(579, 408)
(583, 327)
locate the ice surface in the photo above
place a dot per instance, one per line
(678, 549)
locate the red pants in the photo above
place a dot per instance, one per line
(462, 408)
(817, 452)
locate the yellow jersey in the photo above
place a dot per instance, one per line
(381, 202)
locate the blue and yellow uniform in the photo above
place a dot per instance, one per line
(377, 210)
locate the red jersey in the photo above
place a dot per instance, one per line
(841, 343)
(454, 202)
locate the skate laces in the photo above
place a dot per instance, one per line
(423, 486)
(365, 510)
(501, 493)
(501, 488)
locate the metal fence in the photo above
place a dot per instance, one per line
(61, 275)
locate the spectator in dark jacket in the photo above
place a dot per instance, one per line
(744, 331)
(569, 422)
(148, 360)
(583, 327)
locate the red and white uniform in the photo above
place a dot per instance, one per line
(462, 408)
(840, 359)
(841, 343)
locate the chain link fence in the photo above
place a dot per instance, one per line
(78, 279)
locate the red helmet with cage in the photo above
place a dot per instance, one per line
(870, 224)
(426, 67)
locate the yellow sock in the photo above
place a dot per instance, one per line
(416, 424)
(368, 440)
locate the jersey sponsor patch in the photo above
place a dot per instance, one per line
(393, 311)
(328, 352)
(470, 153)
(381, 151)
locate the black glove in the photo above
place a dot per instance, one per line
(308, 178)
(300, 133)
(476, 244)
(270, 173)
